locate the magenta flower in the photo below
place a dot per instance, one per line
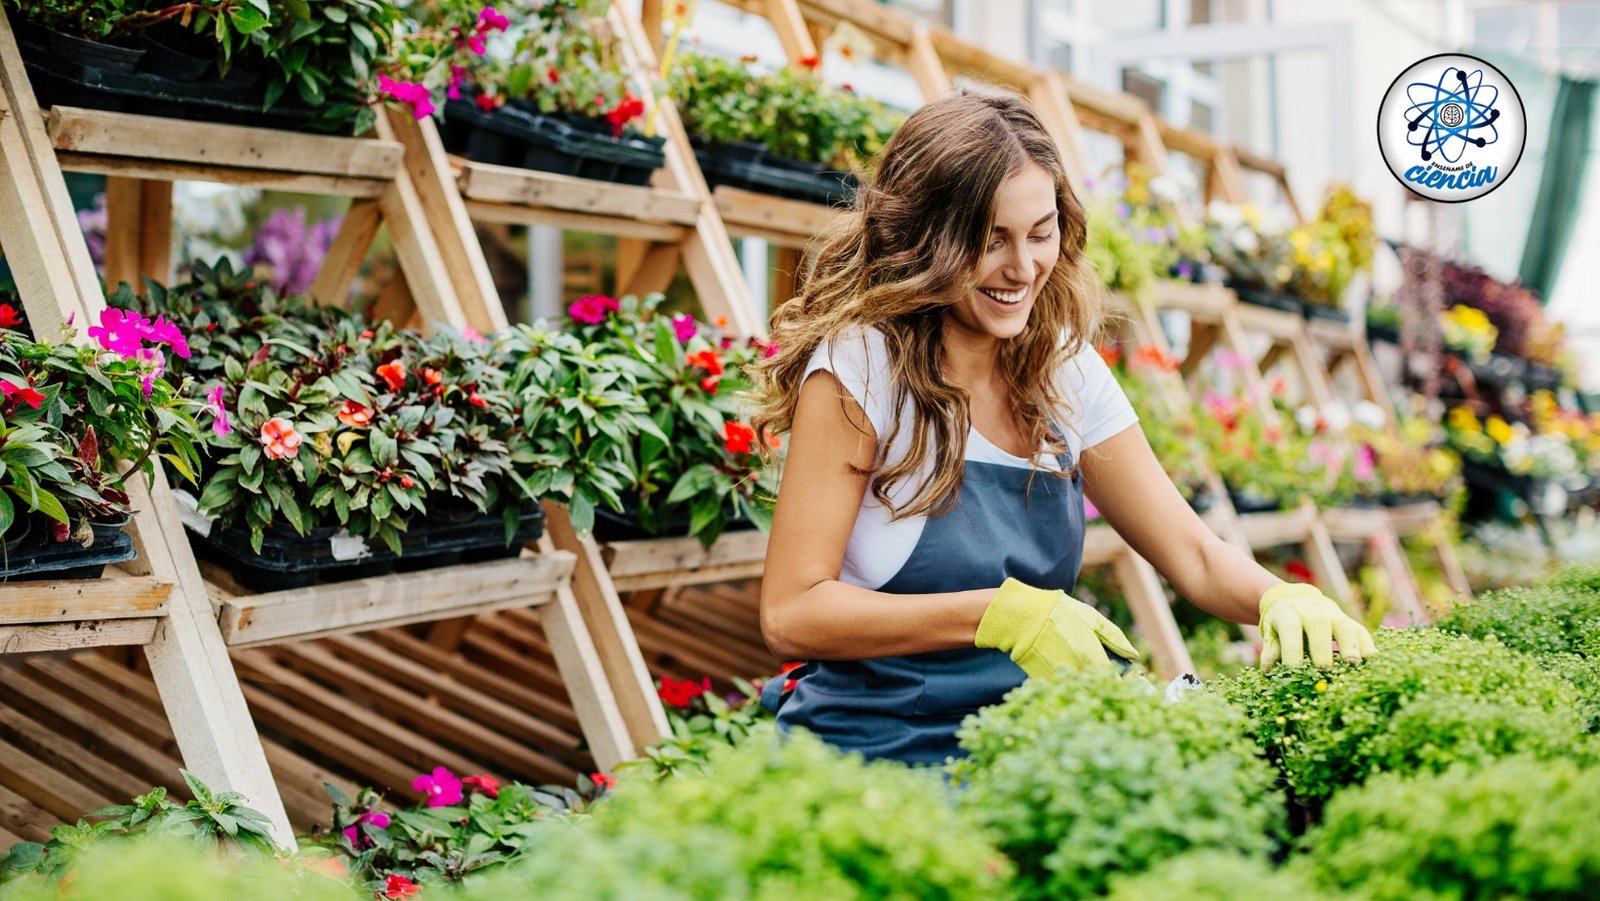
(684, 325)
(157, 363)
(1366, 463)
(593, 308)
(219, 412)
(442, 787)
(413, 94)
(1090, 512)
(119, 331)
(458, 76)
(165, 331)
(353, 832)
(490, 19)
(477, 44)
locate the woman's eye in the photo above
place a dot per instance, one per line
(1048, 236)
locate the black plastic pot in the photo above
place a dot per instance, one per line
(106, 531)
(21, 530)
(1332, 314)
(1250, 502)
(1202, 500)
(1261, 297)
(1382, 332)
(1389, 499)
(35, 561)
(169, 55)
(767, 174)
(519, 135)
(94, 54)
(610, 525)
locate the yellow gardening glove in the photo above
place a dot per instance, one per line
(1297, 616)
(1045, 630)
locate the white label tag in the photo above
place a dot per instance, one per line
(346, 547)
(189, 513)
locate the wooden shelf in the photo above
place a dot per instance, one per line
(671, 562)
(526, 197)
(786, 223)
(151, 147)
(1206, 299)
(390, 600)
(1280, 325)
(1350, 524)
(1279, 527)
(125, 597)
(1413, 518)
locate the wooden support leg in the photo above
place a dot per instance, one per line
(1325, 566)
(1202, 337)
(788, 265)
(613, 637)
(1148, 601)
(394, 301)
(1273, 355)
(1402, 584)
(349, 248)
(584, 674)
(650, 266)
(138, 231)
(427, 278)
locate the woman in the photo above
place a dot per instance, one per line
(948, 413)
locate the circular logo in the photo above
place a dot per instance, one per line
(1451, 127)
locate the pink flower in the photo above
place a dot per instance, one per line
(165, 331)
(280, 439)
(1228, 360)
(683, 325)
(1089, 510)
(477, 44)
(157, 363)
(471, 334)
(442, 788)
(352, 832)
(458, 76)
(119, 331)
(1366, 463)
(490, 19)
(414, 94)
(219, 423)
(593, 308)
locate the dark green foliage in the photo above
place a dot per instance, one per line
(1088, 776)
(1518, 827)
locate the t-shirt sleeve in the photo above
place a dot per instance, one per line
(860, 361)
(1098, 409)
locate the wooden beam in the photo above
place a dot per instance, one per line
(345, 255)
(787, 223)
(71, 636)
(792, 31)
(659, 563)
(68, 601)
(926, 68)
(527, 188)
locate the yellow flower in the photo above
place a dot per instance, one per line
(1499, 430)
(1462, 419)
(1321, 686)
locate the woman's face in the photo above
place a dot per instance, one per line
(1022, 250)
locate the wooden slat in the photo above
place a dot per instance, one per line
(525, 187)
(39, 784)
(684, 561)
(1278, 528)
(787, 223)
(205, 144)
(27, 639)
(393, 599)
(1196, 300)
(622, 227)
(1102, 545)
(109, 598)
(484, 674)
(244, 177)
(1352, 524)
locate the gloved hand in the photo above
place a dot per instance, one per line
(1045, 630)
(1294, 616)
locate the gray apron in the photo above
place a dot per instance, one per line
(908, 708)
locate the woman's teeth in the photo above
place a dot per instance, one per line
(1006, 297)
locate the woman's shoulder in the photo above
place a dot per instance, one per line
(857, 351)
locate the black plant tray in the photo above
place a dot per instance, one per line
(288, 560)
(610, 525)
(1261, 297)
(66, 560)
(62, 82)
(1390, 499)
(1382, 332)
(521, 137)
(1332, 314)
(1253, 503)
(774, 175)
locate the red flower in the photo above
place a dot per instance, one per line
(1299, 570)
(488, 102)
(406, 482)
(1110, 354)
(810, 62)
(603, 781)
(679, 694)
(487, 785)
(400, 887)
(394, 373)
(593, 308)
(627, 109)
(356, 416)
(431, 376)
(9, 317)
(786, 669)
(708, 360)
(24, 393)
(737, 437)
(474, 398)
(771, 438)
(553, 75)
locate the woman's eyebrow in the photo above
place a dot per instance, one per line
(1042, 220)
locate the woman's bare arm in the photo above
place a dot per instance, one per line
(1125, 481)
(806, 611)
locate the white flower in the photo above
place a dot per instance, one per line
(1337, 417)
(1369, 414)
(1245, 240)
(1306, 417)
(1165, 187)
(1224, 214)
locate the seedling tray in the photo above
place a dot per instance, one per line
(527, 139)
(66, 560)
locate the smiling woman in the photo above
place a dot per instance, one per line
(930, 521)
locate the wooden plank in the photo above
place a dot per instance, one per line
(579, 222)
(525, 187)
(138, 232)
(418, 254)
(24, 820)
(33, 780)
(393, 599)
(787, 269)
(1355, 524)
(483, 675)
(204, 144)
(1054, 106)
(1279, 527)
(345, 255)
(925, 65)
(447, 218)
(1325, 564)
(1208, 300)
(53, 742)
(792, 32)
(110, 598)
(244, 177)
(787, 223)
(667, 557)
(1102, 545)
(651, 272)
(72, 636)
(613, 637)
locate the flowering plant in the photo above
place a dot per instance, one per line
(1131, 244)
(1512, 447)
(1332, 249)
(701, 720)
(701, 456)
(1411, 464)
(1468, 331)
(1174, 435)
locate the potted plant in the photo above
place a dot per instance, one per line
(1330, 251)
(1258, 262)
(1174, 435)
(787, 133)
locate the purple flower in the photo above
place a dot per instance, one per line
(683, 324)
(219, 423)
(291, 254)
(119, 331)
(1185, 270)
(441, 787)
(1124, 211)
(94, 223)
(352, 832)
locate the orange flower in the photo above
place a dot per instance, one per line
(709, 361)
(280, 439)
(810, 62)
(431, 376)
(771, 438)
(356, 416)
(394, 373)
(737, 437)
(1155, 357)
(720, 322)
(1110, 354)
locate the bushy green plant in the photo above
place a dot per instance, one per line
(167, 868)
(1219, 876)
(772, 819)
(1514, 828)
(1426, 701)
(701, 722)
(1087, 776)
(1547, 619)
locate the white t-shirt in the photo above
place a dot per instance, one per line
(878, 548)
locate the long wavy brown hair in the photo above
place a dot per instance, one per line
(907, 250)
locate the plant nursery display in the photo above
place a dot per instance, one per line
(787, 133)
(1135, 237)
